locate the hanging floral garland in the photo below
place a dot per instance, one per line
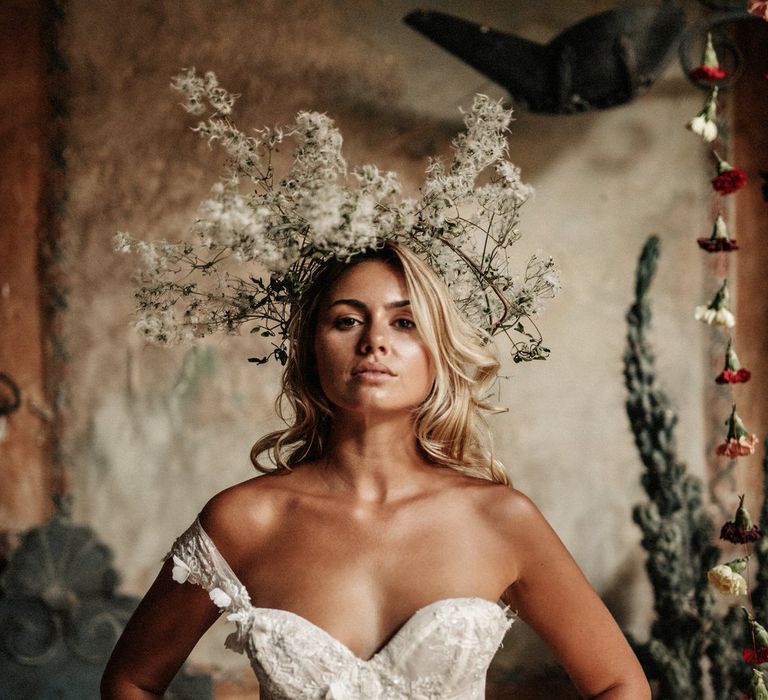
(732, 577)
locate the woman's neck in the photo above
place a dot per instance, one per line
(374, 460)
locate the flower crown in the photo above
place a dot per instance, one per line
(284, 230)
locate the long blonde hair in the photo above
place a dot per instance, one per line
(449, 424)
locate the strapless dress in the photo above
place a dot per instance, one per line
(442, 652)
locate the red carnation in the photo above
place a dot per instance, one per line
(728, 376)
(733, 372)
(710, 66)
(719, 240)
(737, 535)
(754, 658)
(717, 245)
(740, 530)
(707, 73)
(729, 179)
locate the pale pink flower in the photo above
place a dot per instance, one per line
(759, 8)
(739, 442)
(738, 447)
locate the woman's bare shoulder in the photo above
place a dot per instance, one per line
(513, 515)
(241, 516)
(505, 506)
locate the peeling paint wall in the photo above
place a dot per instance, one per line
(151, 433)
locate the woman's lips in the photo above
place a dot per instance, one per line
(372, 368)
(374, 376)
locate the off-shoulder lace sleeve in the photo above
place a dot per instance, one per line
(196, 559)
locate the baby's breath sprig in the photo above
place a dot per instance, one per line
(283, 230)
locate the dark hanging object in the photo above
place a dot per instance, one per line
(603, 61)
(723, 4)
(60, 617)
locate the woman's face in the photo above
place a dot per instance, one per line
(368, 352)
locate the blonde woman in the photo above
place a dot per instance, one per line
(370, 563)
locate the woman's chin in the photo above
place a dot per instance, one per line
(376, 403)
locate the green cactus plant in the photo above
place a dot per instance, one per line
(677, 534)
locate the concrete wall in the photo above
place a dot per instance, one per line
(151, 433)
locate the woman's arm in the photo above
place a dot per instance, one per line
(157, 639)
(172, 617)
(551, 594)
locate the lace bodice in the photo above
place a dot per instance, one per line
(442, 652)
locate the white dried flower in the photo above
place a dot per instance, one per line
(383, 187)
(192, 87)
(121, 242)
(288, 226)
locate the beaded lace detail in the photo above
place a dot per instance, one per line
(442, 652)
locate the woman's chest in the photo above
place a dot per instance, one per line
(328, 569)
(437, 556)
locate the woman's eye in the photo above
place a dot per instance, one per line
(405, 323)
(346, 322)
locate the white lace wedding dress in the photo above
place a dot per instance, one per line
(442, 652)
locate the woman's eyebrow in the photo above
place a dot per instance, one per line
(361, 305)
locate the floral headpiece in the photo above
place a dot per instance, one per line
(284, 230)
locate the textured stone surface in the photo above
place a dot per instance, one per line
(151, 433)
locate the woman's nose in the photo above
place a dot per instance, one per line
(374, 339)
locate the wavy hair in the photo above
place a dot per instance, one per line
(449, 425)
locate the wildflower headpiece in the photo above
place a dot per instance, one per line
(285, 229)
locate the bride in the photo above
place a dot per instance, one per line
(371, 562)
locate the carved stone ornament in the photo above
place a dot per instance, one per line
(60, 617)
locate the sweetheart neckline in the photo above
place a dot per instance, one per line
(397, 633)
(308, 623)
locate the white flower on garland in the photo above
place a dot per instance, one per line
(717, 311)
(728, 579)
(704, 127)
(715, 317)
(704, 123)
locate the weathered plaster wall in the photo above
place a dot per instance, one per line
(25, 450)
(151, 433)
